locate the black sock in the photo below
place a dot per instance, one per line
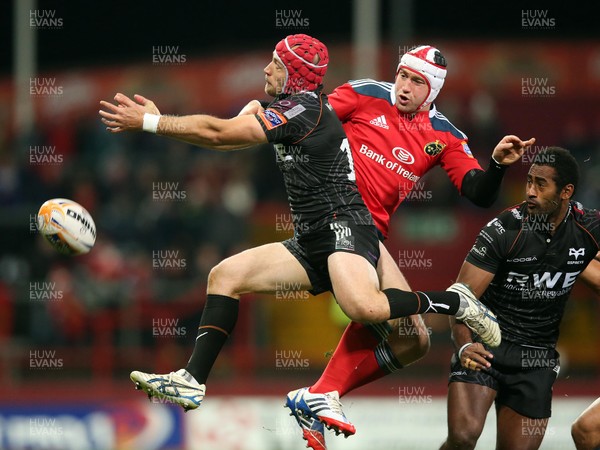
(217, 322)
(403, 303)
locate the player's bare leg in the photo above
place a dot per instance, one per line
(356, 288)
(261, 269)
(517, 432)
(586, 429)
(468, 406)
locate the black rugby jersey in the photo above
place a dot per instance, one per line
(534, 270)
(314, 156)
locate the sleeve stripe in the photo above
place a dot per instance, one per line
(369, 81)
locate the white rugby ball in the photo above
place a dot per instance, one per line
(67, 225)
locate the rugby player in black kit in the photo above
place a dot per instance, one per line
(335, 244)
(523, 267)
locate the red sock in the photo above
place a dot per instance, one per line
(352, 363)
(368, 370)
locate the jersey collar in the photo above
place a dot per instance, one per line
(432, 110)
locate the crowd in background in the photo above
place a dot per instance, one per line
(166, 212)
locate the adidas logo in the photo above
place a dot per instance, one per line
(380, 122)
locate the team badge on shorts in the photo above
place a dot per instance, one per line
(343, 236)
(434, 148)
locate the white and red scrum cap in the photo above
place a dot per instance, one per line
(428, 62)
(305, 60)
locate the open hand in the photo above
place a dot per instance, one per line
(510, 149)
(127, 114)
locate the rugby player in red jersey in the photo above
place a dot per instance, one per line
(396, 135)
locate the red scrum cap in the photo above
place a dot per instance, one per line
(428, 62)
(305, 60)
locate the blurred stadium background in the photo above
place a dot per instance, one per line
(71, 330)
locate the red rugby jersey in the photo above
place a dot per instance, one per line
(392, 151)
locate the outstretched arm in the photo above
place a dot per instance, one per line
(202, 130)
(483, 187)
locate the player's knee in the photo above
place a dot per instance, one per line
(464, 438)
(577, 433)
(223, 279)
(409, 339)
(363, 312)
(420, 345)
(580, 431)
(410, 351)
(420, 338)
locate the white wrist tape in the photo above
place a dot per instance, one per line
(150, 122)
(460, 351)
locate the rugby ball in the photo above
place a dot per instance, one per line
(67, 225)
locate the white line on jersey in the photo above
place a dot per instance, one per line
(365, 82)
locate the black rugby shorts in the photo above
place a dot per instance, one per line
(522, 375)
(313, 248)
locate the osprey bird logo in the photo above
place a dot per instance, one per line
(577, 253)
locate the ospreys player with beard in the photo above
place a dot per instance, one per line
(335, 246)
(523, 267)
